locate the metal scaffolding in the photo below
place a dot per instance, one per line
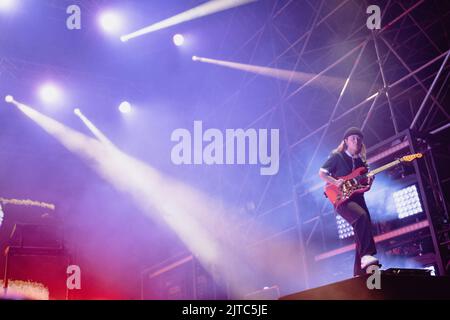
(396, 79)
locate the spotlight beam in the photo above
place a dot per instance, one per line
(191, 14)
(192, 215)
(152, 191)
(195, 217)
(95, 131)
(283, 74)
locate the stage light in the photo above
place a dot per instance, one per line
(125, 107)
(345, 230)
(194, 58)
(407, 202)
(178, 40)
(49, 93)
(7, 5)
(77, 111)
(9, 98)
(111, 22)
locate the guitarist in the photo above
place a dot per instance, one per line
(349, 155)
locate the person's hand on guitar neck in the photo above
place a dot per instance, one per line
(370, 181)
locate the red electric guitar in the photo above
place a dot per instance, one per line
(357, 181)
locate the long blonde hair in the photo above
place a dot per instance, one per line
(343, 146)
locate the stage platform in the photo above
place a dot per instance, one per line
(392, 287)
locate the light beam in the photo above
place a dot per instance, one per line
(202, 10)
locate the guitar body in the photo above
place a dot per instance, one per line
(358, 181)
(355, 182)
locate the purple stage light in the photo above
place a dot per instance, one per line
(49, 93)
(9, 98)
(178, 40)
(345, 230)
(407, 202)
(125, 107)
(7, 5)
(111, 22)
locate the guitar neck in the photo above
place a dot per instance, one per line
(382, 168)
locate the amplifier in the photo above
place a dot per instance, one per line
(27, 235)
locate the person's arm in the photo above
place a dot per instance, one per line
(327, 169)
(326, 177)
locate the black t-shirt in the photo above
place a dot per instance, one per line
(340, 164)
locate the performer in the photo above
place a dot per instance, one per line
(349, 155)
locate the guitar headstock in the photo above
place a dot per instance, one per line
(411, 157)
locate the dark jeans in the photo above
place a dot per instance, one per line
(355, 212)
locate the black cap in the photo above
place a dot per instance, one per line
(352, 131)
